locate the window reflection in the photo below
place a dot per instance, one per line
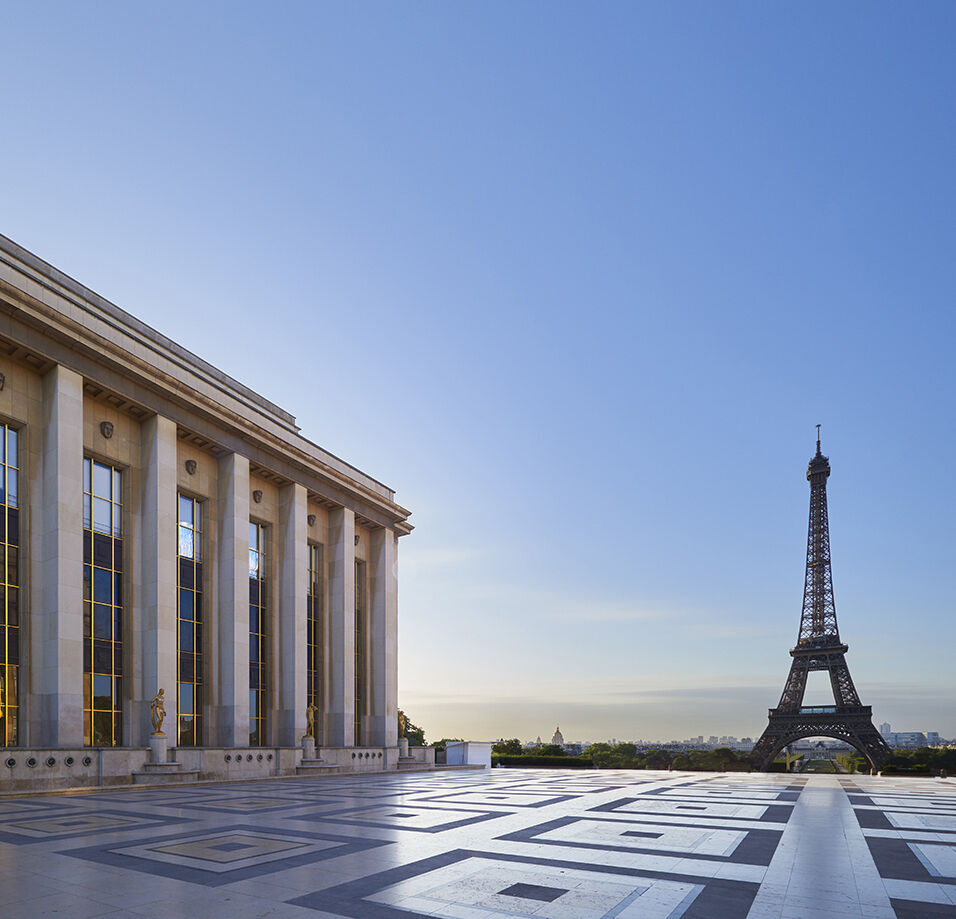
(102, 604)
(189, 575)
(10, 649)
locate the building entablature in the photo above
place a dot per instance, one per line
(47, 318)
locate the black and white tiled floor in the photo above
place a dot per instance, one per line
(503, 843)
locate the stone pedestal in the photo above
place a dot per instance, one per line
(157, 749)
(308, 747)
(403, 747)
(158, 770)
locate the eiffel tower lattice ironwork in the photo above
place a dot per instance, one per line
(819, 648)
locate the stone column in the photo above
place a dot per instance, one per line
(233, 611)
(383, 615)
(56, 626)
(341, 656)
(293, 577)
(154, 604)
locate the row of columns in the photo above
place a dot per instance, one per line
(54, 700)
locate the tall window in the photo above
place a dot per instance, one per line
(102, 604)
(9, 589)
(315, 646)
(258, 635)
(360, 675)
(189, 700)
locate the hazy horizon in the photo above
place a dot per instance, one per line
(578, 283)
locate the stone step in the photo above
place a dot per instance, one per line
(316, 767)
(165, 776)
(160, 768)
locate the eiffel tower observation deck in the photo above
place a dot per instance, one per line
(819, 648)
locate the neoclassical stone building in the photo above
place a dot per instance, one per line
(163, 526)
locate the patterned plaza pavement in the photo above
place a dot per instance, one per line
(498, 843)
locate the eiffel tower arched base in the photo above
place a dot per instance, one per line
(852, 724)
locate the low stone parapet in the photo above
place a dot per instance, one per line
(46, 769)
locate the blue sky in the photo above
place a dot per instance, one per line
(578, 281)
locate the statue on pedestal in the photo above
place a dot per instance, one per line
(310, 713)
(157, 711)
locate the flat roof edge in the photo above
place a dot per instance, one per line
(18, 259)
(64, 280)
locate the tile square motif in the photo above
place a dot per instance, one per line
(226, 849)
(728, 795)
(500, 799)
(534, 892)
(15, 807)
(938, 859)
(919, 909)
(768, 813)
(743, 846)
(242, 805)
(224, 855)
(566, 788)
(873, 819)
(481, 884)
(909, 860)
(70, 822)
(345, 791)
(417, 818)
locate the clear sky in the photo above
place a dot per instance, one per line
(577, 280)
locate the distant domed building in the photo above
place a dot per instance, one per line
(558, 737)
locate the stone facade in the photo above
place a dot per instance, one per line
(83, 380)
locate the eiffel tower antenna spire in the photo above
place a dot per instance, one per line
(819, 648)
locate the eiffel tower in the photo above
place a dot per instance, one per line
(819, 648)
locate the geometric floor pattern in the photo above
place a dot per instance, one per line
(489, 845)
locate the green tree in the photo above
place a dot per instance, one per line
(440, 744)
(626, 751)
(510, 747)
(657, 759)
(601, 754)
(550, 749)
(723, 756)
(413, 733)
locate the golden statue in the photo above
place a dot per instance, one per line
(157, 711)
(402, 723)
(310, 711)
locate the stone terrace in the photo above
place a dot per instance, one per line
(467, 845)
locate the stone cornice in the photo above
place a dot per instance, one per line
(59, 318)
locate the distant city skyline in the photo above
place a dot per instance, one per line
(604, 270)
(930, 736)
